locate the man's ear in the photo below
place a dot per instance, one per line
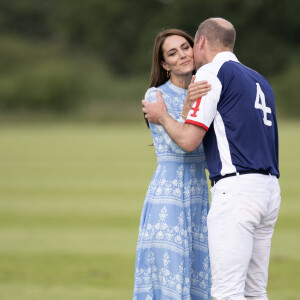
(202, 41)
(164, 65)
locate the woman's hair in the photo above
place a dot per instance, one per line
(158, 73)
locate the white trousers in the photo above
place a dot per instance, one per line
(241, 220)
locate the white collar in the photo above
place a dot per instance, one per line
(225, 56)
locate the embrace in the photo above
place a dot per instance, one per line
(222, 119)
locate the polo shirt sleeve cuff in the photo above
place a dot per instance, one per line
(197, 124)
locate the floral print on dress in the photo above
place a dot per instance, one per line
(172, 260)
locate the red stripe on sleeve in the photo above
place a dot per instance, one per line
(197, 124)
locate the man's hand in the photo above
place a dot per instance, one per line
(157, 111)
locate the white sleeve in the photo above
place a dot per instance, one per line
(204, 110)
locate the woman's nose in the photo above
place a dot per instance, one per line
(181, 53)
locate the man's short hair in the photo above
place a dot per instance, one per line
(219, 32)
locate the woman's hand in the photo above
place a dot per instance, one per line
(198, 89)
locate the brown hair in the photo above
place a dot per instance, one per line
(158, 73)
(219, 32)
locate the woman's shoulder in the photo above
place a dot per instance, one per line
(151, 92)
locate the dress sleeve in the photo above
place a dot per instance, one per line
(150, 95)
(204, 110)
(158, 132)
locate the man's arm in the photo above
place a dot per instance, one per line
(186, 136)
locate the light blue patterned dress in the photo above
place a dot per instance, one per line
(172, 260)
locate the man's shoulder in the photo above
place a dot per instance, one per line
(247, 70)
(211, 68)
(220, 59)
(209, 72)
(257, 75)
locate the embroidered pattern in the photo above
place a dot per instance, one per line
(172, 260)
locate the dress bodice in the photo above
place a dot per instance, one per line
(166, 149)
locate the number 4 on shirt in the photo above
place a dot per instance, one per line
(196, 108)
(260, 103)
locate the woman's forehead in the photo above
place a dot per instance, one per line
(173, 41)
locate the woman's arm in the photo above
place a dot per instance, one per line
(186, 136)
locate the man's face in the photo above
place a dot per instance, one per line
(199, 51)
(198, 54)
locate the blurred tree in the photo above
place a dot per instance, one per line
(28, 18)
(122, 32)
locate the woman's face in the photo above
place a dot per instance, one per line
(178, 55)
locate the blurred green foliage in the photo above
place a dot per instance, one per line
(122, 32)
(56, 55)
(38, 77)
(31, 78)
(286, 89)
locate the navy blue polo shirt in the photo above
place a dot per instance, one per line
(239, 117)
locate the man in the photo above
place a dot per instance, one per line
(237, 118)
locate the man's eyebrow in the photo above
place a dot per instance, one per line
(180, 46)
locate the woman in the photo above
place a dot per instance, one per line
(172, 260)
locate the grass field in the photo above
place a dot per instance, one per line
(70, 201)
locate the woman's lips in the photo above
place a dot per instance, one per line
(185, 63)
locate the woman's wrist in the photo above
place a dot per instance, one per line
(184, 116)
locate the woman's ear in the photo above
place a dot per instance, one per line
(164, 65)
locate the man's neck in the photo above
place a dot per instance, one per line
(213, 54)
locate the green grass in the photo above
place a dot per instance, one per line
(70, 201)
